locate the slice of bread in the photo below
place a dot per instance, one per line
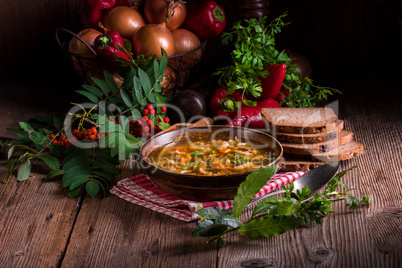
(308, 149)
(343, 152)
(309, 138)
(299, 165)
(300, 120)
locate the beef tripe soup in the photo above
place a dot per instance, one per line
(211, 158)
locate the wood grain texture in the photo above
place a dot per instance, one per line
(42, 227)
(111, 232)
(383, 160)
(115, 233)
(36, 218)
(370, 237)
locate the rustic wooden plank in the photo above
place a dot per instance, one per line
(113, 232)
(383, 161)
(36, 217)
(36, 220)
(370, 237)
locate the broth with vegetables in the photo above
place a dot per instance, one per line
(210, 158)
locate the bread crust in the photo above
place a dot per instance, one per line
(300, 120)
(343, 152)
(309, 138)
(308, 149)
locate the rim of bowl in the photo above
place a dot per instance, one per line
(277, 159)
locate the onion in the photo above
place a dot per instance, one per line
(173, 12)
(301, 63)
(185, 41)
(169, 81)
(77, 47)
(149, 40)
(124, 20)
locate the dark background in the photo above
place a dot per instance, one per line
(339, 37)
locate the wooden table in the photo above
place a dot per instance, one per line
(41, 227)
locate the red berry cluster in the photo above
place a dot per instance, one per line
(88, 134)
(61, 140)
(148, 125)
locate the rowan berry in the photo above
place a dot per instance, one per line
(145, 112)
(75, 132)
(94, 130)
(149, 106)
(81, 134)
(145, 129)
(139, 123)
(166, 119)
(150, 123)
(163, 109)
(151, 111)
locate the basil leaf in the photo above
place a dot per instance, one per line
(250, 187)
(208, 228)
(277, 205)
(270, 225)
(229, 220)
(211, 213)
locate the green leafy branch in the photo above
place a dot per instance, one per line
(254, 49)
(92, 166)
(33, 144)
(276, 215)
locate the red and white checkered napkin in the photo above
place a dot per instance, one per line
(142, 191)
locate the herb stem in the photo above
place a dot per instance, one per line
(225, 232)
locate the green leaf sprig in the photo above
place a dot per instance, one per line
(275, 215)
(254, 49)
(92, 169)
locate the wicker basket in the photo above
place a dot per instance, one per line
(185, 66)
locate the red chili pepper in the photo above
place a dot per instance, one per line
(223, 106)
(206, 20)
(273, 82)
(92, 11)
(105, 45)
(251, 116)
